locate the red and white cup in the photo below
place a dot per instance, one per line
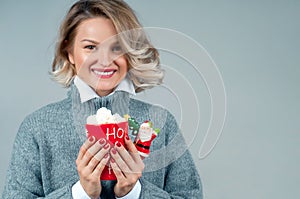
(111, 133)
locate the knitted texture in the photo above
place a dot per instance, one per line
(48, 141)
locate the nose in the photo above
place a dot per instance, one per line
(104, 57)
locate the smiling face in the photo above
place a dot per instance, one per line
(97, 55)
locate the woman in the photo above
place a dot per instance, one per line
(103, 56)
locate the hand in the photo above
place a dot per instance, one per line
(127, 166)
(91, 160)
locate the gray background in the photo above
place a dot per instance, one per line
(256, 47)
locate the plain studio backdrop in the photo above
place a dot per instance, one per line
(255, 45)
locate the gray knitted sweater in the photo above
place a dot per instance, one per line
(48, 141)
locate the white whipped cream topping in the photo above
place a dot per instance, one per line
(104, 116)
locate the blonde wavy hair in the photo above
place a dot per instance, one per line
(142, 57)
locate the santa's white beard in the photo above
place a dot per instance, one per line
(145, 135)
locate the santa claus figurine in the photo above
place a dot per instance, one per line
(145, 137)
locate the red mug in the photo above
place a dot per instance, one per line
(111, 133)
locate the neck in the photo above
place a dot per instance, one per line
(103, 93)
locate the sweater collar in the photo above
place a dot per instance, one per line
(117, 101)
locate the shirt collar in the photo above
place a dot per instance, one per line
(87, 93)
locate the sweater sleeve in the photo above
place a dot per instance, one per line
(24, 178)
(181, 176)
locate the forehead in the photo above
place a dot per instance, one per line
(97, 29)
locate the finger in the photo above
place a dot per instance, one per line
(101, 165)
(97, 146)
(100, 154)
(117, 171)
(132, 150)
(126, 156)
(86, 145)
(98, 157)
(92, 151)
(119, 161)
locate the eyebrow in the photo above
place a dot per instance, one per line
(89, 40)
(96, 43)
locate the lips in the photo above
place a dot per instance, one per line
(104, 73)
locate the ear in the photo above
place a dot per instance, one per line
(71, 57)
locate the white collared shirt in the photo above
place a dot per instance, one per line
(87, 93)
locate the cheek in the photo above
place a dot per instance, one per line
(81, 64)
(79, 59)
(122, 63)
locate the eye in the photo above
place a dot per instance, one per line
(116, 49)
(90, 47)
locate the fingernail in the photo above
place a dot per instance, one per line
(118, 144)
(106, 155)
(126, 137)
(112, 160)
(91, 139)
(106, 146)
(101, 141)
(113, 151)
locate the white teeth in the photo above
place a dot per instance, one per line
(103, 73)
